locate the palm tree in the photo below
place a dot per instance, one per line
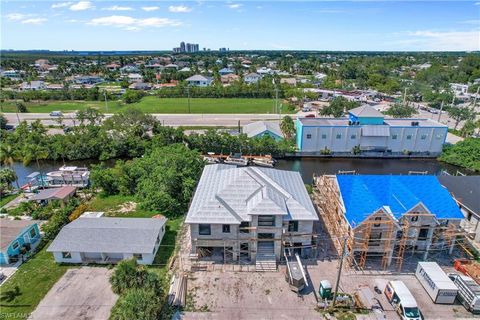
(7, 157)
(34, 152)
(288, 127)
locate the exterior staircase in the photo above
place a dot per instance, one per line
(266, 260)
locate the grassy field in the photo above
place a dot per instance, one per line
(153, 104)
(6, 199)
(26, 288)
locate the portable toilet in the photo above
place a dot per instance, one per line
(325, 290)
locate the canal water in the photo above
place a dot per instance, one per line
(306, 166)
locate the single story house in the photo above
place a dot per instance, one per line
(62, 193)
(466, 192)
(33, 85)
(225, 71)
(252, 78)
(250, 214)
(289, 81)
(108, 240)
(134, 77)
(199, 81)
(263, 128)
(15, 235)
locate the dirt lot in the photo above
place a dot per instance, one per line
(83, 293)
(253, 295)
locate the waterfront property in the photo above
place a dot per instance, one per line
(263, 128)
(17, 237)
(466, 191)
(108, 240)
(62, 194)
(385, 216)
(366, 130)
(250, 214)
(68, 175)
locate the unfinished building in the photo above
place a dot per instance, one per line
(381, 217)
(250, 215)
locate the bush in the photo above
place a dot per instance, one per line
(129, 275)
(138, 303)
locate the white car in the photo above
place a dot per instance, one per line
(56, 114)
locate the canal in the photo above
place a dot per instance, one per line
(306, 166)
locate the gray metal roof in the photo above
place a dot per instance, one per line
(229, 195)
(199, 77)
(366, 111)
(255, 128)
(375, 131)
(11, 229)
(465, 189)
(110, 235)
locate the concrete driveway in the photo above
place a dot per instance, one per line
(83, 293)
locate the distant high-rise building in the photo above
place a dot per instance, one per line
(187, 47)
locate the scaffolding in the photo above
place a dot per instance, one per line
(387, 239)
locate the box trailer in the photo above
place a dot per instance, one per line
(436, 282)
(468, 292)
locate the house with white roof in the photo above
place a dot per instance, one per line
(250, 214)
(459, 89)
(263, 128)
(199, 81)
(108, 240)
(252, 78)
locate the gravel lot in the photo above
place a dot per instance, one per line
(83, 293)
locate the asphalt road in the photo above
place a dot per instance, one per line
(174, 120)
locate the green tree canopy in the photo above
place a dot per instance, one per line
(401, 111)
(338, 106)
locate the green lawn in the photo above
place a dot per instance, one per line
(152, 104)
(20, 295)
(6, 199)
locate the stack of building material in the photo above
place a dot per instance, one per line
(177, 293)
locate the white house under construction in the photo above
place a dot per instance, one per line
(383, 216)
(250, 214)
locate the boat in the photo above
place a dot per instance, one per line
(68, 176)
(237, 160)
(264, 162)
(210, 159)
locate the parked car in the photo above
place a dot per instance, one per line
(56, 114)
(310, 115)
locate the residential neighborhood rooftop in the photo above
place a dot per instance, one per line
(255, 128)
(10, 229)
(227, 194)
(364, 194)
(115, 235)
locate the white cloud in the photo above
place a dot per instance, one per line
(131, 23)
(235, 6)
(16, 16)
(118, 8)
(477, 3)
(33, 21)
(477, 21)
(148, 9)
(441, 40)
(179, 9)
(61, 5)
(82, 5)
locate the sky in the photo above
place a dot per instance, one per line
(241, 25)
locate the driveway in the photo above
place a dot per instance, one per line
(83, 293)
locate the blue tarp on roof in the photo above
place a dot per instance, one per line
(365, 194)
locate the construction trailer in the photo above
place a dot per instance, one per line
(436, 282)
(383, 217)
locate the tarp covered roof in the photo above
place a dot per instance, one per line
(364, 194)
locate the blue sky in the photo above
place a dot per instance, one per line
(306, 25)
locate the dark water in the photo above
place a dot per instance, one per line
(306, 166)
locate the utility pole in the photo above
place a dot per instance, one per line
(405, 97)
(475, 99)
(440, 113)
(16, 106)
(105, 96)
(344, 248)
(188, 93)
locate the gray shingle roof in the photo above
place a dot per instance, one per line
(110, 235)
(366, 111)
(230, 195)
(11, 229)
(255, 128)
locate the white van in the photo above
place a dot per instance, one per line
(400, 297)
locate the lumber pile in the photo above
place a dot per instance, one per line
(177, 294)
